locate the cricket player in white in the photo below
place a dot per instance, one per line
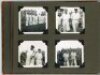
(42, 18)
(27, 19)
(34, 18)
(73, 58)
(65, 23)
(30, 56)
(59, 20)
(30, 19)
(39, 57)
(75, 20)
(66, 59)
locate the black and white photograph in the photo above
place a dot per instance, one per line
(33, 20)
(69, 54)
(32, 54)
(70, 20)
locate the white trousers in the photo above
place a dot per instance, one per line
(66, 26)
(28, 60)
(75, 24)
(74, 61)
(39, 62)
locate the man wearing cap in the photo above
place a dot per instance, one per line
(75, 19)
(30, 56)
(39, 57)
(65, 21)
